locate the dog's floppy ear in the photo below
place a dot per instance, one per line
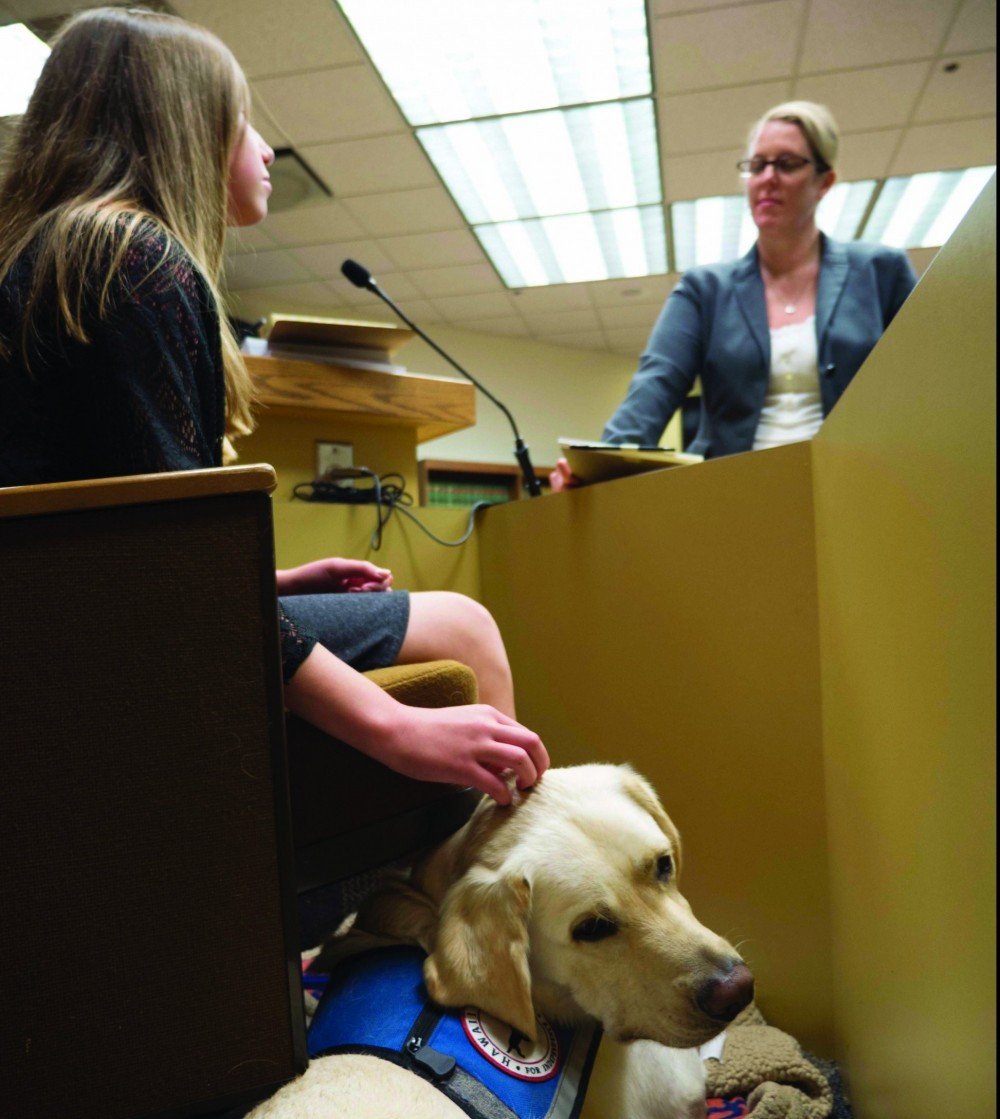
(642, 792)
(480, 955)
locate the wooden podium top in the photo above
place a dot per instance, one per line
(432, 406)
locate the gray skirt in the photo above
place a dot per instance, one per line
(365, 629)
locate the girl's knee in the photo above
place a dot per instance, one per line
(463, 613)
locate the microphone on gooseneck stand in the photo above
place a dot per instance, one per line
(362, 278)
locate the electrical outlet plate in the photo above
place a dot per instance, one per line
(332, 456)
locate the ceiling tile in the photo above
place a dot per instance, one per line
(345, 292)
(455, 308)
(41, 9)
(866, 155)
(384, 163)
(975, 28)
(269, 39)
(557, 297)
(511, 325)
(704, 175)
(286, 299)
(583, 340)
(459, 279)
(627, 340)
(846, 34)
(969, 91)
(420, 311)
(936, 147)
(247, 240)
(562, 322)
(324, 261)
(698, 122)
(730, 46)
(263, 120)
(879, 97)
(406, 211)
(318, 224)
(648, 290)
(425, 250)
(629, 315)
(257, 270)
(327, 105)
(398, 286)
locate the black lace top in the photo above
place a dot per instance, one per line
(145, 395)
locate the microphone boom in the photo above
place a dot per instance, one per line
(360, 277)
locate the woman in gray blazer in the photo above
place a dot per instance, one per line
(776, 336)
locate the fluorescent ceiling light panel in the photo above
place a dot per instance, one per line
(448, 60)
(538, 116)
(716, 230)
(600, 157)
(575, 248)
(22, 56)
(919, 211)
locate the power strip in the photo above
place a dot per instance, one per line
(337, 494)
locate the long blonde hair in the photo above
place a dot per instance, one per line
(134, 119)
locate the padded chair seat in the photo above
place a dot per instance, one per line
(350, 813)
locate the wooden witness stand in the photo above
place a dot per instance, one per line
(384, 415)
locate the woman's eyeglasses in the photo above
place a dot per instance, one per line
(784, 165)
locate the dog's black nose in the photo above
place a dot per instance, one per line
(724, 995)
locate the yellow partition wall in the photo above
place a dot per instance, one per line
(670, 621)
(796, 646)
(905, 523)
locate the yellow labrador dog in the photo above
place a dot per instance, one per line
(568, 903)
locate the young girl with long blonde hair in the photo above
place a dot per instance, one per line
(116, 358)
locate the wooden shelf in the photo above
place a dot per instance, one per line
(432, 406)
(470, 475)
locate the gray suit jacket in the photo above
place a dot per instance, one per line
(714, 326)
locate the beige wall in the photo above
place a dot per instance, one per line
(905, 522)
(552, 391)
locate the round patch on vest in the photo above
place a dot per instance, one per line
(509, 1049)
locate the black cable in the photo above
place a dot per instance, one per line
(387, 495)
(470, 526)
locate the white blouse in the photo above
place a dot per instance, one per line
(792, 408)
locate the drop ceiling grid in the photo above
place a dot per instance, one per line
(718, 63)
(881, 74)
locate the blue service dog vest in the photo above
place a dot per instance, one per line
(376, 1003)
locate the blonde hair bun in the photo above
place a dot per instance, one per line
(816, 123)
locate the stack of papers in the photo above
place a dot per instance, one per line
(598, 462)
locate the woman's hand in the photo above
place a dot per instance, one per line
(472, 745)
(334, 576)
(562, 478)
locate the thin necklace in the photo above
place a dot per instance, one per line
(792, 305)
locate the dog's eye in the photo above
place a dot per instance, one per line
(595, 928)
(664, 868)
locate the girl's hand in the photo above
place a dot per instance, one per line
(334, 576)
(471, 745)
